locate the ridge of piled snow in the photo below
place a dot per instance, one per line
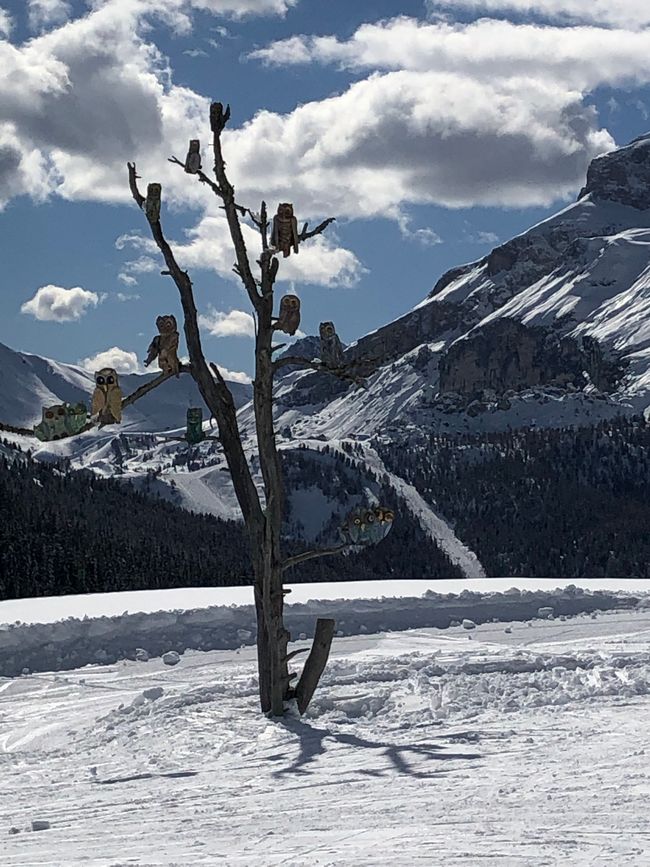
(72, 643)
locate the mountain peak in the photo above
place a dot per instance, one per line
(622, 175)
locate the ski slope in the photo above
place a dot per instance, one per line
(526, 747)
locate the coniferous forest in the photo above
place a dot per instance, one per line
(569, 503)
(74, 532)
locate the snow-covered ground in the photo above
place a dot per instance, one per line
(93, 631)
(521, 747)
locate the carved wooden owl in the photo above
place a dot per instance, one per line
(107, 397)
(331, 348)
(284, 235)
(152, 202)
(52, 424)
(383, 523)
(164, 346)
(193, 158)
(289, 318)
(76, 418)
(194, 429)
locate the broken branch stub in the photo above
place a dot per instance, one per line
(316, 662)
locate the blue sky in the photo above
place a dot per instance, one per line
(431, 130)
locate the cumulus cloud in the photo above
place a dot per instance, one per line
(579, 57)
(56, 304)
(120, 360)
(236, 323)
(43, 13)
(235, 375)
(321, 261)
(622, 13)
(420, 137)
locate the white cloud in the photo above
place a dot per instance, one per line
(195, 52)
(319, 261)
(56, 304)
(488, 50)
(43, 13)
(483, 238)
(235, 375)
(127, 279)
(424, 236)
(120, 360)
(422, 137)
(236, 323)
(622, 13)
(6, 22)
(122, 296)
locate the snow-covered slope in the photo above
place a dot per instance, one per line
(525, 745)
(29, 382)
(551, 328)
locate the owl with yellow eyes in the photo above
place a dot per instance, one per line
(107, 397)
(289, 318)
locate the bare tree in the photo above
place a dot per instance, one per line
(263, 520)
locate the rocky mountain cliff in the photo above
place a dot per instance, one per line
(552, 327)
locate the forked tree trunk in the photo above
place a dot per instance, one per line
(268, 561)
(264, 524)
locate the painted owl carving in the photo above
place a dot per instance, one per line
(194, 428)
(284, 235)
(52, 424)
(331, 348)
(164, 346)
(107, 397)
(152, 203)
(61, 420)
(367, 526)
(193, 158)
(289, 318)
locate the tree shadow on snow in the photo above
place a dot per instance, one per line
(312, 746)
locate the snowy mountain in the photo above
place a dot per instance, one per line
(29, 382)
(552, 327)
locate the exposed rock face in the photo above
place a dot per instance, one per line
(622, 175)
(507, 355)
(422, 325)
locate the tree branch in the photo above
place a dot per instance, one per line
(305, 235)
(340, 372)
(149, 386)
(200, 175)
(215, 392)
(218, 120)
(312, 555)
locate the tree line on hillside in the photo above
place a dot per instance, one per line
(65, 532)
(566, 503)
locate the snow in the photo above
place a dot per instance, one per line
(49, 609)
(72, 642)
(525, 748)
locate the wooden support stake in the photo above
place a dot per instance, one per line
(316, 662)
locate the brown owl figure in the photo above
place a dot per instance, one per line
(331, 348)
(164, 346)
(284, 234)
(107, 397)
(193, 158)
(289, 318)
(152, 203)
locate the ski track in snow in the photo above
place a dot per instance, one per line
(434, 526)
(526, 748)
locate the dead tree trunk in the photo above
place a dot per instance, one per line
(263, 522)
